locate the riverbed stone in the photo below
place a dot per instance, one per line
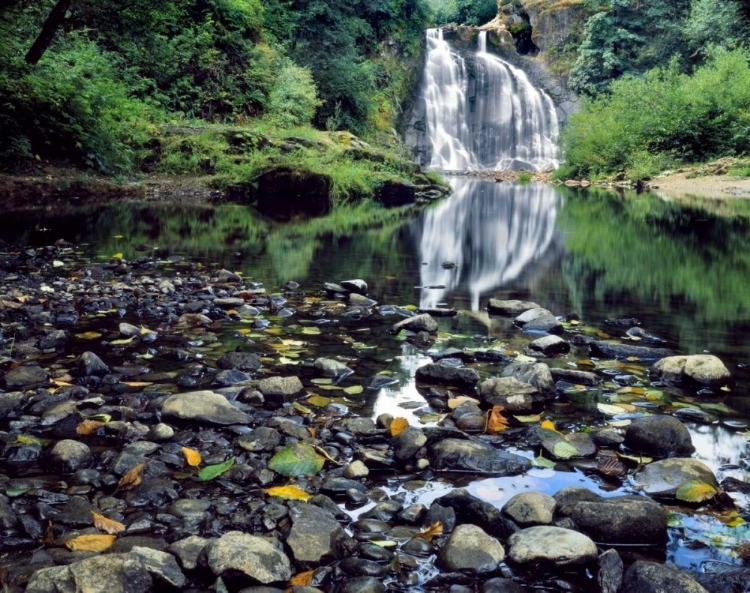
(316, 535)
(418, 323)
(650, 577)
(162, 567)
(620, 351)
(659, 436)
(253, 557)
(90, 364)
(355, 470)
(475, 456)
(280, 389)
(663, 478)
(555, 546)
(241, 361)
(539, 320)
(108, 573)
(609, 575)
(471, 509)
(550, 346)
(23, 377)
(534, 373)
(408, 443)
(187, 550)
(471, 549)
(531, 508)
(438, 372)
(511, 394)
(576, 377)
(68, 456)
(328, 367)
(361, 585)
(357, 285)
(511, 308)
(260, 439)
(203, 406)
(621, 520)
(703, 370)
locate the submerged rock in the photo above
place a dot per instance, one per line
(702, 370)
(555, 546)
(474, 456)
(203, 406)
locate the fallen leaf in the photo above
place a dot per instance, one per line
(529, 419)
(611, 466)
(88, 336)
(549, 425)
(564, 450)
(354, 390)
(696, 491)
(192, 456)
(302, 409)
(137, 383)
(542, 461)
(453, 403)
(91, 543)
(325, 454)
(496, 422)
(609, 409)
(132, 478)
(398, 425)
(107, 525)
(288, 493)
(303, 579)
(214, 471)
(89, 427)
(122, 342)
(117, 256)
(298, 459)
(431, 532)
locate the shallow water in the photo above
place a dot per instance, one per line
(680, 268)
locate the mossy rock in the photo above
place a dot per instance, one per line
(286, 192)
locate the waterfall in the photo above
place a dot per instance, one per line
(483, 113)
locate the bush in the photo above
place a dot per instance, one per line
(293, 99)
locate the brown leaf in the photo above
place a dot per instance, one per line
(49, 534)
(496, 422)
(398, 425)
(91, 543)
(192, 456)
(132, 478)
(303, 579)
(107, 525)
(88, 427)
(431, 532)
(611, 466)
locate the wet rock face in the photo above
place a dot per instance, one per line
(703, 370)
(117, 573)
(315, 535)
(203, 406)
(511, 394)
(628, 520)
(459, 455)
(660, 436)
(23, 377)
(663, 478)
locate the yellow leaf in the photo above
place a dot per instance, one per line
(89, 336)
(288, 493)
(303, 579)
(88, 427)
(398, 426)
(122, 342)
(107, 525)
(117, 256)
(145, 330)
(60, 383)
(192, 456)
(431, 532)
(132, 478)
(496, 422)
(91, 543)
(137, 383)
(696, 491)
(453, 403)
(549, 425)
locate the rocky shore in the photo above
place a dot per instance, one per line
(167, 425)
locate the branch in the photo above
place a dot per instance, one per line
(47, 34)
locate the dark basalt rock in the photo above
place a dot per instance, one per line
(625, 351)
(284, 193)
(659, 436)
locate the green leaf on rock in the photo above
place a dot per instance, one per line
(542, 461)
(214, 471)
(564, 450)
(696, 491)
(299, 459)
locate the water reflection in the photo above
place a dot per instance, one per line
(492, 231)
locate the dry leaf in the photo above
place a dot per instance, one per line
(88, 427)
(107, 525)
(91, 543)
(322, 451)
(49, 534)
(132, 478)
(303, 579)
(549, 425)
(611, 466)
(137, 383)
(192, 456)
(399, 425)
(496, 422)
(288, 493)
(88, 336)
(431, 532)
(453, 403)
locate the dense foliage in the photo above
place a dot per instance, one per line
(115, 71)
(468, 12)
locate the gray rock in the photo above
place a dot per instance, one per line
(621, 520)
(512, 394)
(332, 368)
(607, 438)
(416, 324)
(609, 575)
(582, 442)
(108, 573)
(10, 402)
(550, 345)
(576, 377)
(316, 535)
(573, 494)
(187, 550)
(229, 277)
(25, 376)
(241, 361)
(260, 439)
(534, 373)
(68, 456)
(189, 507)
(162, 567)
(408, 443)
(359, 286)
(357, 300)
(501, 585)
(511, 308)
(552, 545)
(53, 339)
(90, 364)
(129, 330)
(650, 577)
(280, 389)
(446, 374)
(470, 509)
(229, 378)
(663, 478)
(659, 436)
(470, 548)
(8, 518)
(539, 320)
(254, 557)
(361, 585)
(531, 508)
(161, 433)
(719, 577)
(355, 470)
(477, 457)
(203, 406)
(625, 351)
(702, 370)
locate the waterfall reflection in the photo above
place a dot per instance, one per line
(492, 231)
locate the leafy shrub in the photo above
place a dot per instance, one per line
(293, 99)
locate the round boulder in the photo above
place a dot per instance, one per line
(663, 478)
(69, 456)
(650, 577)
(553, 546)
(659, 436)
(531, 508)
(470, 548)
(703, 370)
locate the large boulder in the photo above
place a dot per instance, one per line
(511, 394)
(511, 308)
(621, 520)
(534, 373)
(108, 573)
(539, 320)
(447, 374)
(659, 436)
(476, 457)
(663, 478)
(286, 192)
(650, 577)
(203, 406)
(552, 546)
(246, 558)
(699, 370)
(469, 548)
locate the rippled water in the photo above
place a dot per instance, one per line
(681, 268)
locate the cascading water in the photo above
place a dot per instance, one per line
(505, 124)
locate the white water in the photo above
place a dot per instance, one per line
(510, 124)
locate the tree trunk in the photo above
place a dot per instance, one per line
(47, 34)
